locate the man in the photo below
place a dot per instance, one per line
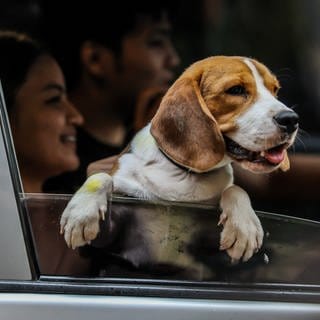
(110, 57)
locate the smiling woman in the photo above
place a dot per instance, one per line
(43, 121)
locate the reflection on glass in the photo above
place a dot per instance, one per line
(172, 241)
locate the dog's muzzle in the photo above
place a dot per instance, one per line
(273, 156)
(287, 121)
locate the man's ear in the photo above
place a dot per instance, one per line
(96, 59)
(185, 130)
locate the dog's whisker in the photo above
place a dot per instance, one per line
(300, 141)
(284, 74)
(293, 148)
(304, 133)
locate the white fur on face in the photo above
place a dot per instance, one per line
(257, 130)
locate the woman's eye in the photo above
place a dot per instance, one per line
(53, 100)
(238, 90)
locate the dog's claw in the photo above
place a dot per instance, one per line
(80, 219)
(223, 218)
(102, 211)
(242, 233)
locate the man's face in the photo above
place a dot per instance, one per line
(148, 59)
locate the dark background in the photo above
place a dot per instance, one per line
(284, 35)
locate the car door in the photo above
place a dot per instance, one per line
(42, 278)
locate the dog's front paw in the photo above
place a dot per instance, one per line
(80, 219)
(242, 235)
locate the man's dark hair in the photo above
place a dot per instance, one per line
(69, 24)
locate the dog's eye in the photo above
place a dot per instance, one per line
(237, 91)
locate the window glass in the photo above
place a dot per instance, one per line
(173, 241)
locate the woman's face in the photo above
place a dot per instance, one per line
(44, 122)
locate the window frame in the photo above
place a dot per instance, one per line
(21, 263)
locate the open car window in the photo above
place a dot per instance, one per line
(161, 248)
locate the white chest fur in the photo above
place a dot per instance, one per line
(146, 173)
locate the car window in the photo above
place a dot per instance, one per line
(178, 243)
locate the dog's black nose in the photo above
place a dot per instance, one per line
(287, 121)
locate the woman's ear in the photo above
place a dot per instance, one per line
(185, 130)
(96, 59)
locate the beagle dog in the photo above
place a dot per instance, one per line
(221, 109)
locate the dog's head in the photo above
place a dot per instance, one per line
(224, 107)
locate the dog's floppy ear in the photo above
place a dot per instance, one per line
(185, 130)
(285, 164)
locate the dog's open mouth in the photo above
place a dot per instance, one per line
(273, 156)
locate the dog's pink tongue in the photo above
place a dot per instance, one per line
(275, 156)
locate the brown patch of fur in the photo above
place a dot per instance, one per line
(197, 110)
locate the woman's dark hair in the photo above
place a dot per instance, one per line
(18, 52)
